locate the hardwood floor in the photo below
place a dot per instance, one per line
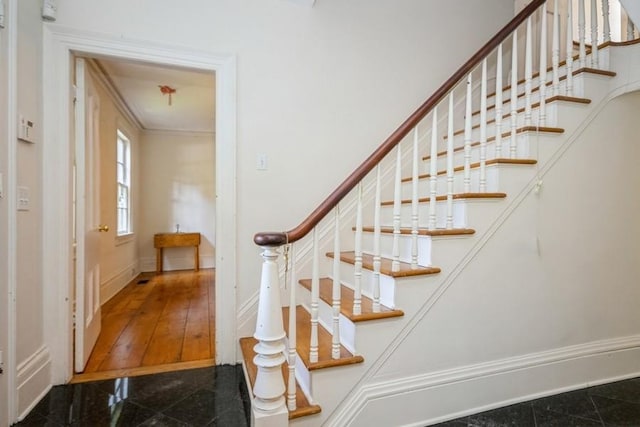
(165, 322)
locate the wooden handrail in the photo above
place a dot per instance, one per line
(284, 237)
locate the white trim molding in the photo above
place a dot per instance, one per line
(33, 380)
(114, 284)
(60, 43)
(468, 390)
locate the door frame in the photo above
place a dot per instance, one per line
(60, 44)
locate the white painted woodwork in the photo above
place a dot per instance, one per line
(498, 104)
(335, 295)
(514, 95)
(582, 58)
(569, 49)
(467, 135)
(606, 25)
(595, 60)
(433, 169)
(87, 225)
(555, 50)
(415, 219)
(630, 29)
(292, 403)
(315, 296)
(483, 128)
(542, 79)
(397, 199)
(269, 388)
(528, 74)
(450, 163)
(357, 270)
(376, 245)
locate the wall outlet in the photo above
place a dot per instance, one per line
(26, 129)
(24, 198)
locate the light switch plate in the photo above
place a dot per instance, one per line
(23, 198)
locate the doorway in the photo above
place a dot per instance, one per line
(155, 145)
(60, 46)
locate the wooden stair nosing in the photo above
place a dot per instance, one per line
(523, 129)
(303, 338)
(423, 231)
(456, 196)
(385, 268)
(475, 165)
(549, 83)
(304, 408)
(549, 100)
(346, 299)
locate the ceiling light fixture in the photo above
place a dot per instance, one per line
(167, 90)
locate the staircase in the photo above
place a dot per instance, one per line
(383, 250)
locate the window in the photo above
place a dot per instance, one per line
(123, 166)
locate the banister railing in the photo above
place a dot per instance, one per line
(464, 127)
(295, 234)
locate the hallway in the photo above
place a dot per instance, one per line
(156, 323)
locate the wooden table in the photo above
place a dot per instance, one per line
(175, 240)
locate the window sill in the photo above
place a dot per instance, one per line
(125, 238)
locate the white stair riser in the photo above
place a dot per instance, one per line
(405, 243)
(387, 283)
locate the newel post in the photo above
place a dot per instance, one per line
(269, 402)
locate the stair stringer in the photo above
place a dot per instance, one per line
(370, 390)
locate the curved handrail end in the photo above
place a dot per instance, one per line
(270, 238)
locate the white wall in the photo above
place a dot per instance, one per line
(338, 76)
(118, 257)
(177, 181)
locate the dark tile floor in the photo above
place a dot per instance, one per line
(215, 396)
(615, 404)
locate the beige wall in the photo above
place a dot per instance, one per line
(118, 257)
(177, 187)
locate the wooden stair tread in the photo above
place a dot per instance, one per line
(303, 407)
(346, 302)
(475, 165)
(523, 129)
(423, 231)
(303, 340)
(456, 196)
(385, 266)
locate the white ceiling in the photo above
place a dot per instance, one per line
(138, 84)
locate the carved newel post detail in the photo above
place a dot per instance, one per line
(269, 388)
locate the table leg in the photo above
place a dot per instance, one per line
(158, 260)
(197, 256)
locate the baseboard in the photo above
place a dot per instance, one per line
(435, 397)
(113, 285)
(170, 263)
(34, 380)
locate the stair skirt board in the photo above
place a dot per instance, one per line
(440, 396)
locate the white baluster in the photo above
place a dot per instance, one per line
(291, 388)
(542, 80)
(269, 387)
(498, 114)
(450, 164)
(595, 62)
(397, 206)
(376, 246)
(315, 296)
(357, 275)
(606, 28)
(555, 50)
(414, 200)
(513, 144)
(569, 47)
(582, 34)
(335, 300)
(433, 170)
(528, 75)
(467, 137)
(483, 128)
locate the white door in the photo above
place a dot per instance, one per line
(87, 220)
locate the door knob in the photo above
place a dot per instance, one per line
(103, 227)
